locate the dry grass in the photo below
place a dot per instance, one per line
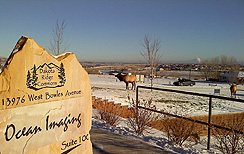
(202, 129)
(108, 112)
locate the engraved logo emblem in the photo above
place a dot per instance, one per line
(46, 76)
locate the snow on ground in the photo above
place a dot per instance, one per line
(108, 87)
(152, 137)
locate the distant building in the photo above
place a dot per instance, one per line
(160, 68)
(140, 78)
(232, 77)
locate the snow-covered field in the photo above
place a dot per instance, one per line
(108, 87)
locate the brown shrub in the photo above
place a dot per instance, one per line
(108, 112)
(139, 118)
(179, 130)
(230, 142)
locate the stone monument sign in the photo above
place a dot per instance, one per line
(45, 102)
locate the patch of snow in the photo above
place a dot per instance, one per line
(153, 137)
(61, 54)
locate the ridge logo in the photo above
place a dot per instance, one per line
(46, 76)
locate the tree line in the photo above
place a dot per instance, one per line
(212, 68)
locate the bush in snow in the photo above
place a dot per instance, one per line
(108, 113)
(139, 118)
(179, 130)
(230, 142)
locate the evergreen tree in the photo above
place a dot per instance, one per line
(28, 81)
(62, 75)
(34, 76)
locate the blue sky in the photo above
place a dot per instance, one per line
(113, 31)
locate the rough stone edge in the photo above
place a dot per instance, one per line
(20, 44)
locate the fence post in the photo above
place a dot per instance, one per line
(137, 96)
(209, 121)
(137, 102)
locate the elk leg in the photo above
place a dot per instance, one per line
(133, 85)
(127, 85)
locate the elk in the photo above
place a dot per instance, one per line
(127, 79)
(233, 89)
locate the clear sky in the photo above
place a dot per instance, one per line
(113, 31)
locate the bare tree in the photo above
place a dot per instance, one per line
(212, 68)
(229, 65)
(150, 54)
(205, 69)
(57, 44)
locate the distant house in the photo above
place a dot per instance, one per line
(140, 78)
(159, 68)
(232, 77)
